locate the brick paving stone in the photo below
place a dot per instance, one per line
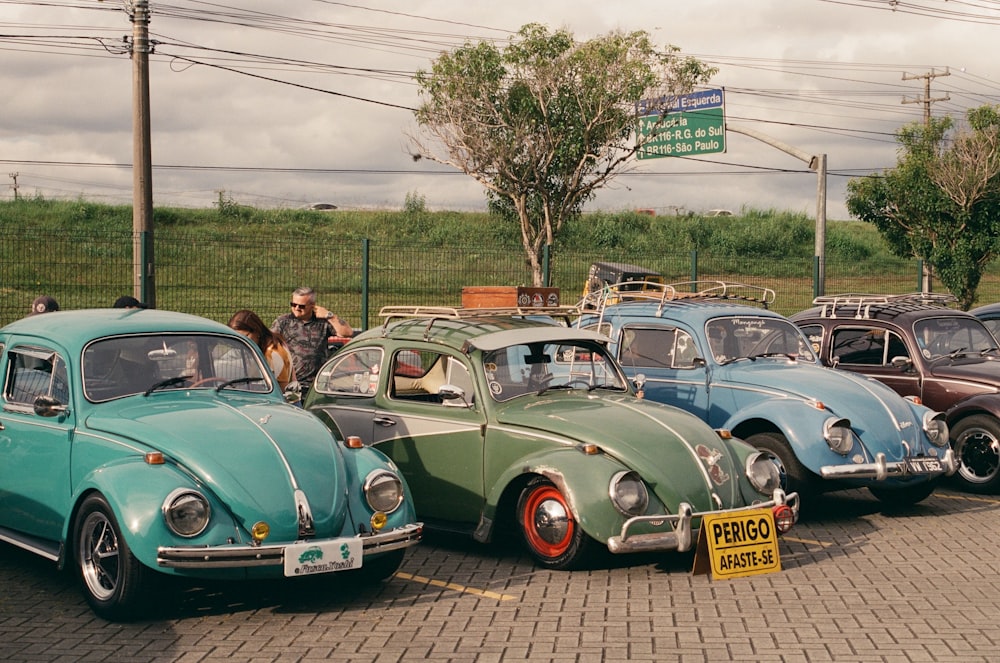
(857, 585)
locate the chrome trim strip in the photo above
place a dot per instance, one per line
(683, 535)
(881, 470)
(240, 556)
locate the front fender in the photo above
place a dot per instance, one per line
(135, 492)
(360, 463)
(582, 479)
(799, 422)
(981, 403)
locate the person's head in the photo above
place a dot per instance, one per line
(43, 304)
(250, 325)
(303, 303)
(128, 302)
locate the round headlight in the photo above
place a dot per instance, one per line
(765, 472)
(936, 428)
(186, 512)
(837, 433)
(383, 490)
(628, 493)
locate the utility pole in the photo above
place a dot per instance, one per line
(13, 176)
(926, 100)
(143, 274)
(816, 162)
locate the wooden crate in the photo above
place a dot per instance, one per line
(501, 296)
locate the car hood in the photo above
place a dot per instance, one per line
(844, 393)
(252, 453)
(677, 454)
(985, 371)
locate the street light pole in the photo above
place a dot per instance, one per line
(143, 276)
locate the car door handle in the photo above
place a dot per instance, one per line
(385, 421)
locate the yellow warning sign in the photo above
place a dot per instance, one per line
(738, 544)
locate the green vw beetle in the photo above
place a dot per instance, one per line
(499, 420)
(137, 441)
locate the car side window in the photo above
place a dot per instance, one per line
(864, 346)
(650, 348)
(993, 326)
(354, 373)
(418, 375)
(35, 372)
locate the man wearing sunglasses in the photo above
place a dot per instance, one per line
(307, 329)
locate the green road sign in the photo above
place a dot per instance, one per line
(694, 124)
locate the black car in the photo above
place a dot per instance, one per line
(923, 349)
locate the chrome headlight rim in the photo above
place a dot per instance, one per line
(936, 427)
(838, 435)
(375, 486)
(628, 493)
(765, 472)
(193, 506)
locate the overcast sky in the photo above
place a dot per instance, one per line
(282, 103)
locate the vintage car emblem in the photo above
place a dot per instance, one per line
(711, 457)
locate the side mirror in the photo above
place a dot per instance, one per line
(453, 396)
(47, 406)
(903, 363)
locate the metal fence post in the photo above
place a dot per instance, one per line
(694, 267)
(920, 275)
(365, 247)
(546, 265)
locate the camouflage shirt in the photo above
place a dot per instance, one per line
(307, 341)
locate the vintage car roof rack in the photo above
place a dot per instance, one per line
(666, 292)
(434, 313)
(859, 305)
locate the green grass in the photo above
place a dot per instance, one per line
(213, 261)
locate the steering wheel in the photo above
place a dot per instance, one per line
(204, 381)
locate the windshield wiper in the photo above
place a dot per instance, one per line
(169, 382)
(244, 380)
(774, 354)
(983, 353)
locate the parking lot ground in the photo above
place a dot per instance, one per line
(858, 583)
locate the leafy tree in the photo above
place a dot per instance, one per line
(941, 203)
(547, 121)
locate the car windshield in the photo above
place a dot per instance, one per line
(754, 337)
(126, 365)
(534, 368)
(952, 336)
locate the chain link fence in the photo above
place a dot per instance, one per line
(215, 276)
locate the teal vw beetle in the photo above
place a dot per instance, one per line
(505, 424)
(139, 441)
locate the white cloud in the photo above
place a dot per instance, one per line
(821, 76)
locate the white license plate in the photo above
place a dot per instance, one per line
(311, 557)
(923, 465)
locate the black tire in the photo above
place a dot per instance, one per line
(905, 495)
(552, 536)
(113, 580)
(976, 441)
(796, 478)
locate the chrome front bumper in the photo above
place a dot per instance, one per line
(881, 470)
(242, 556)
(682, 536)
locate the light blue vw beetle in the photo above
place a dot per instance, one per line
(139, 441)
(714, 349)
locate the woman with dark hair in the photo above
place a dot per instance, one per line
(250, 325)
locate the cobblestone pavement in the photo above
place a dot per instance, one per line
(859, 583)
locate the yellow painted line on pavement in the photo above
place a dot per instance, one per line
(971, 498)
(808, 542)
(456, 587)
